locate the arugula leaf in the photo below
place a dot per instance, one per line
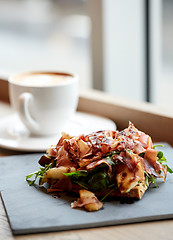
(99, 181)
(78, 177)
(150, 179)
(169, 169)
(162, 159)
(30, 175)
(77, 174)
(109, 160)
(81, 184)
(110, 154)
(158, 145)
(107, 195)
(142, 154)
(95, 180)
(37, 174)
(129, 150)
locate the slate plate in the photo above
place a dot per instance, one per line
(31, 210)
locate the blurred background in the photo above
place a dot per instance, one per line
(122, 47)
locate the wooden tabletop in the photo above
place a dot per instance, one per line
(150, 230)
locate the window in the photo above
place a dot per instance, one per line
(45, 35)
(122, 47)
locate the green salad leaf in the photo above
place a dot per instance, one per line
(38, 174)
(169, 169)
(158, 145)
(142, 154)
(162, 160)
(111, 154)
(96, 179)
(77, 174)
(150, 179)
(99, 181)
(109, 160)
(107, 195)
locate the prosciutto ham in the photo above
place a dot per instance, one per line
(87, 200)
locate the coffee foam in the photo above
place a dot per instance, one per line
(40, 80)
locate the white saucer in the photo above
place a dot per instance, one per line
(14, 136)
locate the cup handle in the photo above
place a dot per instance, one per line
(25, 100)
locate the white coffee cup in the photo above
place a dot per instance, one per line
(44, 101)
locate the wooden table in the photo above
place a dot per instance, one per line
(155, 121)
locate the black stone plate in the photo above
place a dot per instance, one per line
(31, 210)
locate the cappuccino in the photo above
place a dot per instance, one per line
(41, 79)
(44, 101)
